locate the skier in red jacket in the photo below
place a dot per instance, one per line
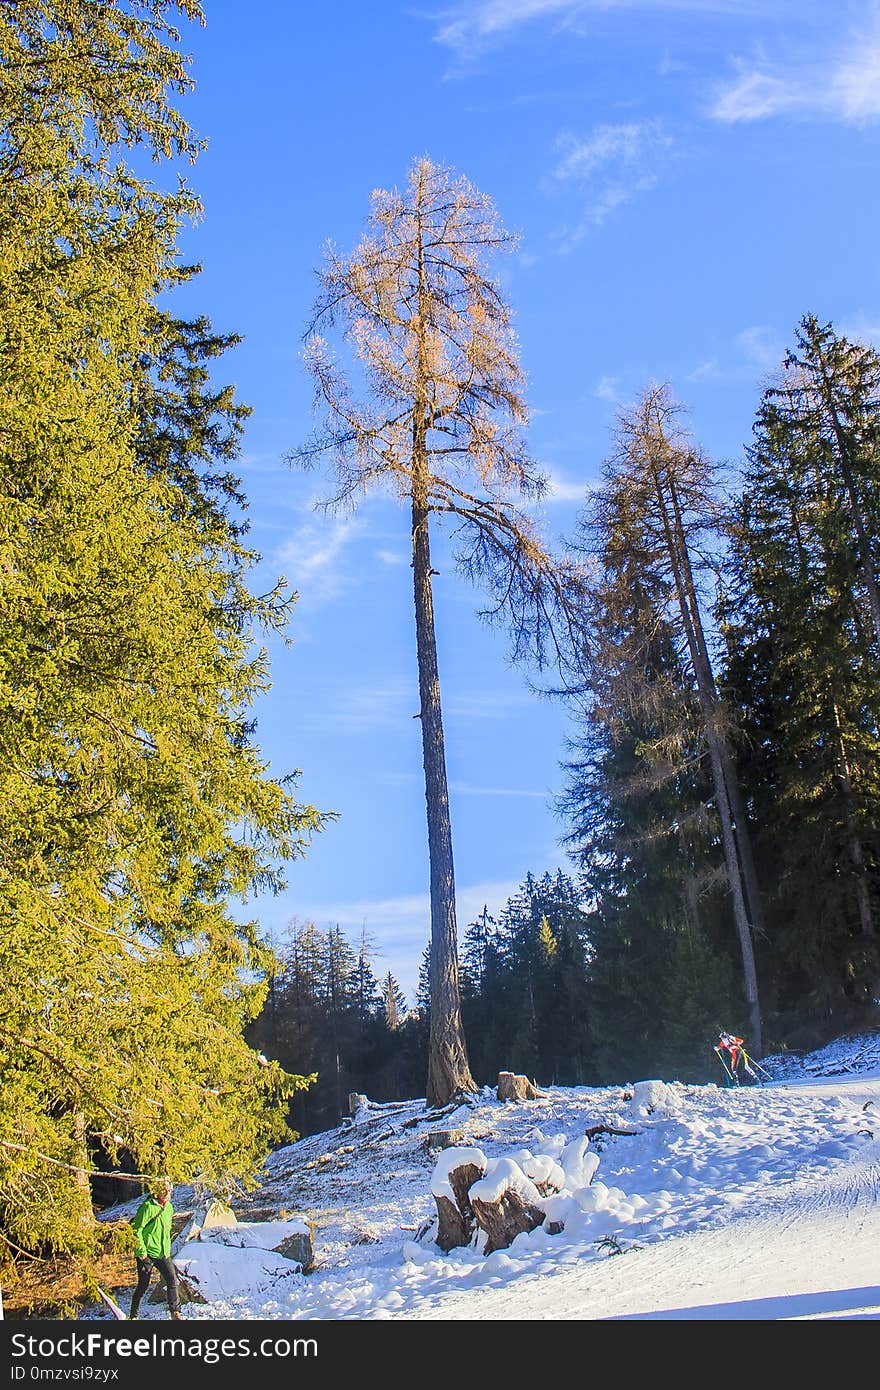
(730, 1043)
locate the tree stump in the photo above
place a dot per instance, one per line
(506, 1204)
(456, 1218)
(443, 1139)
(513, 1087)
(505, 1219)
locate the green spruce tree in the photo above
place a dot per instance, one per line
(802, 663)
(134, 805)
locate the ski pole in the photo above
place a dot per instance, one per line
(728, 1072)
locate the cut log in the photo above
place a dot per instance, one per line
(456, 1217)
(513, 1087)
(443, 1138)
(432, 1114)
(461, 1180)
(505, 1219)
(219, 1213)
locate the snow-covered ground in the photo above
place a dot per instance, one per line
(749, 1203)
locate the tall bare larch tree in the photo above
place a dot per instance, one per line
(438, 424)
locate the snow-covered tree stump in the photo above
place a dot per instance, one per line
(505, 1204)
(456, 1218)
(513, 1087)
(456, 1171)
(505, 1219)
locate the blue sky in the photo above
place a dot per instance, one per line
(687, 179)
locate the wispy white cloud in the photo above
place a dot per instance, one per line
(606, 388)
(486, 704)
(467, 789)
(618, 144)
(464, 27)
(856, 82)
(611, 166)
(468, 27)
(669, 65)
(841, 83)
(707, 370)
(760, 346)
(755, 94)
(312, 558)
(564, 489)
(360, 710)
(755, 351)
(862, 328)
(392, 557)
(261, 463)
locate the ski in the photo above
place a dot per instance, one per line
(112, 1305)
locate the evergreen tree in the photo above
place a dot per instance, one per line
(393, 1002)
(662, 490)
(520, 928)
(802, 668)
(830, 397)
(423, 989)
(365, 986)
(479, 947)
(327, 1011)
(133, 802)
(641, 783)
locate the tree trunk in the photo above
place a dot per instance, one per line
(707, 694)
(449, 1073)
(448, 1070)
(742, 834)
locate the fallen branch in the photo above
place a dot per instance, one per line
(429, 1115)
(608, 1129)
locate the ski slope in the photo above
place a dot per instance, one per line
(749, 1203)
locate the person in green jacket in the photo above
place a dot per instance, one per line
(152, 1229)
